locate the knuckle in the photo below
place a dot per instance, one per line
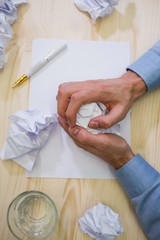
(61, 89)
(75, 97)
(83, 138)
(78, 98)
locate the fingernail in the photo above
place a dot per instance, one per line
(94, 124)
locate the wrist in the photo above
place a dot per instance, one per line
(125, 159)
(137, 84)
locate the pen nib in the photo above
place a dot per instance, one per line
(20, 80)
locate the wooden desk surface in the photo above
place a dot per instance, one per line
(134, 21)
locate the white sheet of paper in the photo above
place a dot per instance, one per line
(82, 60)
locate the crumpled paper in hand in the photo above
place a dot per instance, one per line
(101, 223)
(91, 110)
(96, 8)
(27, 134)
(8, 15)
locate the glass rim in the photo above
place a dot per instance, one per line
(29, 192)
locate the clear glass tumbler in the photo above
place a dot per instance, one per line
(32, 215)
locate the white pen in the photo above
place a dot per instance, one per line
(40, 64)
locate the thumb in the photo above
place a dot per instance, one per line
(115, 115)
(83, 136)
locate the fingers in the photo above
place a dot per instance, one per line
(86, 138)
(81, 135)
(63, 124)
(77, 100)
(63, 98)
(111, 148)
(71, 96)
(116, 114)
(73, 133)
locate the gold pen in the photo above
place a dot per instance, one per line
(40, 64)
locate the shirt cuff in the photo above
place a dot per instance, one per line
(136, 176)
(148, 67)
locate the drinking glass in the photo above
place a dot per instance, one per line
(32, 215)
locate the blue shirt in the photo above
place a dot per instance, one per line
(140, 180)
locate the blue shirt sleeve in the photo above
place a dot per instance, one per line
(148, 67)
(142, 183)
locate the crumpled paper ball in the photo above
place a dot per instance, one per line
(101, 223)
(29, 131)
(96, 9)
(8, 15)
(92, 110)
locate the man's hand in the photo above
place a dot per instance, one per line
(109, 147)
(116, 94)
